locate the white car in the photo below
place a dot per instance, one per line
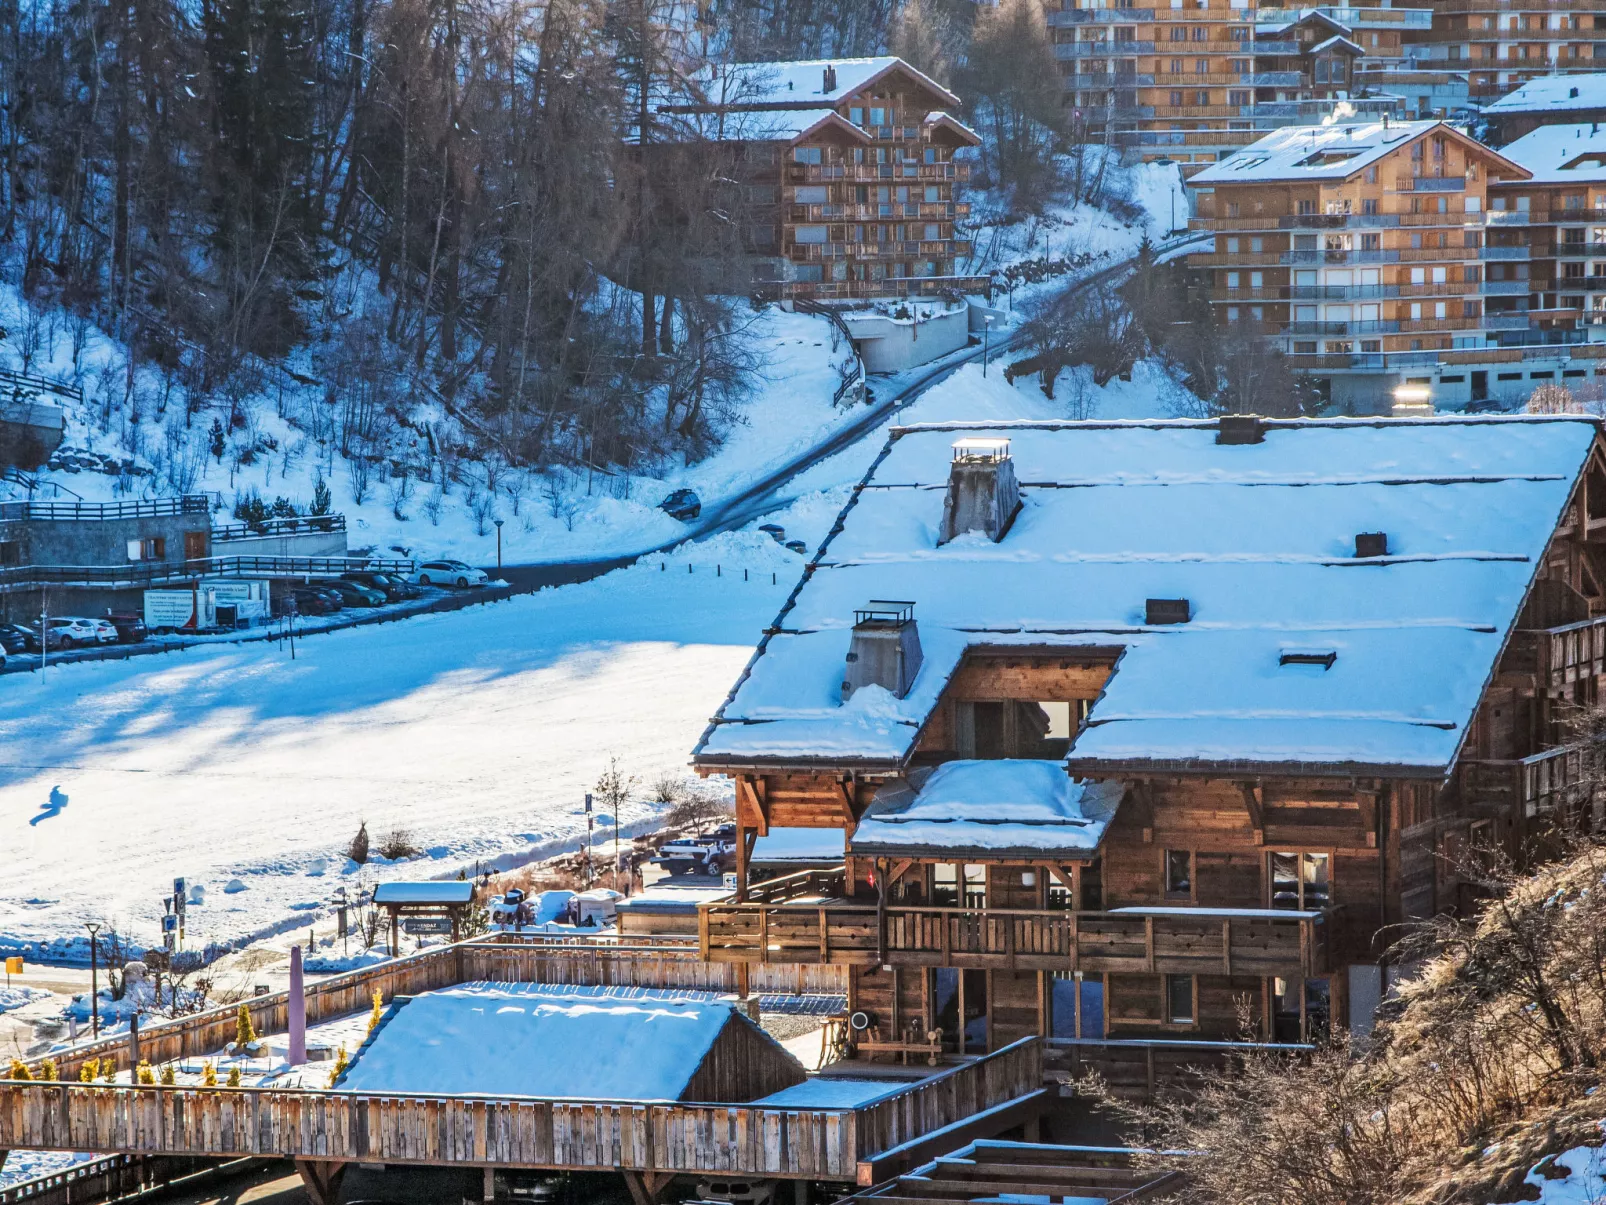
(449, 573)
(74, 632)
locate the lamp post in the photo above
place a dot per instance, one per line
(94, 979)
(986, 342)
(498, 523)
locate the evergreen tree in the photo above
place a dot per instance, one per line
(244, 1032)
(48, 1070)
(89, 1071)
(322, 500)
(377, 1014)
(19, 1071)
(209, 1075)
(234, 1077)
(215, 440)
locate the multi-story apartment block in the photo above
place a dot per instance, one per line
(1361, 250)
(1503, 43)
(848, 166)
(1200, 78)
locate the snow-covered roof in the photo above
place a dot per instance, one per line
(949, 122)
(1003, 807)
(441, 892)
(761, 125)
(1321, 152)
(504, 1039)
(799, 847)
(1565, 154)
(1336, 42)
(802, 83)
(1260, 539)
(1553, 94)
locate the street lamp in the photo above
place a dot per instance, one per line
(94, 979)
(498, 523)
(986, 342)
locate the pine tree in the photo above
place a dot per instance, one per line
(90, 1070)
(215, 440)
(144, 1073)
(341, 1063)
(244, 1032)
(48, 1071)
(168, 1077)
(19, 1071)
(209, 1075)
(322, 500)
(234, 1077)
(108, 1070)
(378, 1013)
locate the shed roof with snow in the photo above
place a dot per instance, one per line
(1553, 94)
(1564, 154)
(1296, 654)
(570, 1043)
(440, 893)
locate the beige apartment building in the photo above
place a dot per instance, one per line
(1502, 44)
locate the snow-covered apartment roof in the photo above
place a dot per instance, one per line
(1567, 154)
(1554, 94)
(1324, 152)
(802, 84)
(1297, 654)
(565, 1043)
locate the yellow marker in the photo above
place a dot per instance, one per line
(14, 966)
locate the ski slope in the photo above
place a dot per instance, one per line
(479, 731)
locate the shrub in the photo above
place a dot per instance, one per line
(19, 1071)
(168, 1077)
(378, 1012)
(357, 851)
(209, 1075)
(144, 1073)
(89, 1072)
(244, 1032)
(234, 1077)
(108, 1069)
(48, 1071)
(341, 1062)
(397, 844)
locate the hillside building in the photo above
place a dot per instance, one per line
(1505, 44)
(1173, 718)
(850, 176)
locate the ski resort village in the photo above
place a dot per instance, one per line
(883, 602)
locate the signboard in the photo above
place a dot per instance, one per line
(13, 966)
(417, 926)
(167, 609)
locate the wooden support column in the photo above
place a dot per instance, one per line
(321, 1179)
(1257, 815)
(646, 1187)
(488, 1185)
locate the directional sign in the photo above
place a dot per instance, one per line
(416, 926)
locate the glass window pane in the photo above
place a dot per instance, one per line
(1318, 885)
(945, 885)
(1179, 999)
(975, 886)
(1178, 872)
(1285, 881)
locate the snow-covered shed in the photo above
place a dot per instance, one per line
(571, 1043)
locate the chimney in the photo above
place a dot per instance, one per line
(1371, 543)
(830, 78)
(885, 650)
(1158, 611)
(1240, 429)
(982, 492)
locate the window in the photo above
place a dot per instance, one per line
(10, 552)
(975, 886)
(1179, 999)
(1179, 873)
(806, 154)
(1176, 100)
(878, 117)
(153, 548)
(812, 194)
(856, 115)
(933, 194)
(945, 885)
(1369, 206)
(1201, 98)
(1238, 97)
(810, 234)
(1257, 244)
(1076, 1005)
(1300, 882)
(1232, 280)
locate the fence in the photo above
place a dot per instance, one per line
(116, 1176)
(140, 508)
(299, 526)
(23, 380)
(149, 573)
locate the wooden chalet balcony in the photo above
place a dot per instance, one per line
(1552, 782)
(1141, 1068)
(818, 926)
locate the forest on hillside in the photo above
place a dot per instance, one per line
(402, 202)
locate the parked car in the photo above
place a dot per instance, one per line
(393, 586)
(107, 630)
(449, 573)
(798, 546)
(37, 640)
(775, 531)
(682, 505)
(736, 1192)
(307, 601)
(711, 853)
(1486, 405)
(130, 627)
(14, 638)
(354, 595)
(76, 632)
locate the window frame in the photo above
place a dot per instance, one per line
(1302, 904)
(1168, 891)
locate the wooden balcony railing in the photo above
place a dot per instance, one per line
(1139, 1068)
(1176, 941)
(1547, 783)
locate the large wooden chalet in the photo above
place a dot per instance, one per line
(1168, 720)
(850, 174)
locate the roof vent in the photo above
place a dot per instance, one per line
(1166, 610)
(885, 650)
(1572, 93)
(1324, 658)
(983, 494)
(1371, 543)
(830, 78)
(1240, 429)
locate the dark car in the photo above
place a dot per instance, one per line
(307, 601)
(775, 532)
(354, 595)
(14, 638)
(394, 588)
(34, 642)
(682, 505)
(1486, 405)
(130, 627)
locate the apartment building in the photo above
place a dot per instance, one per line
(849, 170)
(1360, 249)
(1502, 44)
(1198, 79)
(1550, 99)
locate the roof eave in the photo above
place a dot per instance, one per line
(1202, 767)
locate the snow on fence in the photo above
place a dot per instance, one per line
(343, 995)
(342, 1127)
(111, 1178)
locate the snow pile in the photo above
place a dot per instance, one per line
(1577, 1177)
(20, 997)
(494, 1039)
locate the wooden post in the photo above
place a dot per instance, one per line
(741, 876)
(321, 1179)
(488, 1188)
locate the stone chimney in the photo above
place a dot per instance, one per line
(830, 78)
(885, 650)
(982, 492)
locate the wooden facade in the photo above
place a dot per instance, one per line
(1213, 897)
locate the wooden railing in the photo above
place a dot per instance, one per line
(1571, 653)
(338, 1126)
(571, 963)
(1138, 1068)
(1550, 782)
(1158, 941)
(805, 883)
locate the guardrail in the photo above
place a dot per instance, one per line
(89, 512)
(300, 525)
(152, 573)
(1138, 1068)
(24, 380)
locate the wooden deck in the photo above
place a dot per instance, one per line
(338, 1127)
(1202, 941)
(988, 1171)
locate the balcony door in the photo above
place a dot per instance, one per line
(959, 1000)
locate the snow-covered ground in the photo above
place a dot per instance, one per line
(1577, 1177)
(479, 731)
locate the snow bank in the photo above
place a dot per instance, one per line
(1575, 1178)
